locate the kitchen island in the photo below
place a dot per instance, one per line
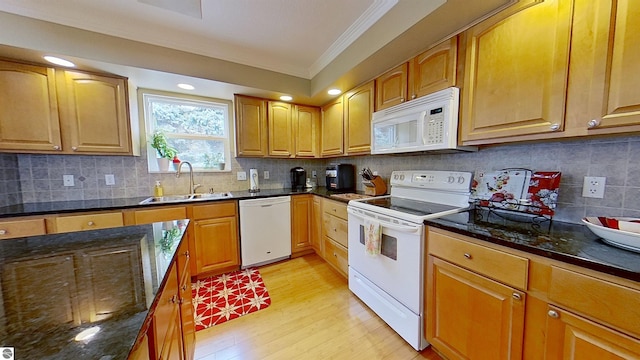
(88, 294)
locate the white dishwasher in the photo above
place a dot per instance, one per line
(265, 230)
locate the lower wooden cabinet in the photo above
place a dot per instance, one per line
(470, 316)
(335, 236)
(337, 256)
(87, 221)
(14, 228)
(185, 299)
(316, 225)
(215, 237)
(301, 221)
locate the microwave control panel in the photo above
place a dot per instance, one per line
(434, 127)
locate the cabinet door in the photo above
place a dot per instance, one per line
(306, 129)
(216, 243)
(109, 292)
(332, 140)
(358, 108)
(605, 68)
(316, 225)
(165, 314)
(172, 346)
(28, 108)
(41, 293)
(570, 337)
(94, 113)
(516, 74)
(251, 126)
(470, 316)
(392, 87)
(280, 129)
(434, 69)
(301, 209)
(186, 301)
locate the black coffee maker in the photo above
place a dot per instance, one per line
(298, 178)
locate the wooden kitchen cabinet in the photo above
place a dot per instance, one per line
(185, 300)
(280, 125)
(358, 108)
(516, 72)
(20, 227)
(301, 224)
(84, 221)
(251, 126)
(316, 225)
(604, 68)
(155, 214)
(215, 241)
(306, 131)
(166, 318)
(61, 111)
(95, 113)
(332, 139)
(392, 87)
(29, 118)
(335, 235)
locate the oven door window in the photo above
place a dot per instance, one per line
(389, 245)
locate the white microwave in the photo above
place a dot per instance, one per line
(423, 124)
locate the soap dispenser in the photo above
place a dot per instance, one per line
(158, 191)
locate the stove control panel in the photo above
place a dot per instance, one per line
(446, 180)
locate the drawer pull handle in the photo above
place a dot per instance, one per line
(554, 314)
(173, 299)
(468, 256)
(186, 254)
(3, 232)
(90, 223)
(184, 287)
(517, 296)
(334, 254)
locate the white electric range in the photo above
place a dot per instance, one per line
(391, 283)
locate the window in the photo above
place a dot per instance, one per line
(198, 128)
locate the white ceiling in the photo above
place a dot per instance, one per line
(294, 37)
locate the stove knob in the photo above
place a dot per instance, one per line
(451, 179)
(460, 180)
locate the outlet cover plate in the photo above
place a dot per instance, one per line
(67, 180)
(242, 175)
(593, 187)
(110, 179)
(266, 174)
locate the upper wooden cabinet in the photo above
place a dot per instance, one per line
(605, 68)
(28, 108)
(95, 113)
(280, 127)
(251, 126)
(358, 108)
(431, 71)
(48, 110)
(332, 139)
(306, 131)
(516, 72)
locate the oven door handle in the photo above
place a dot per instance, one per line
(415, 229)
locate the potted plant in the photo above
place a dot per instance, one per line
(165, 152)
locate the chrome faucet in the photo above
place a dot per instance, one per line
(192, 187)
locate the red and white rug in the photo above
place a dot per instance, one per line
(221, 298)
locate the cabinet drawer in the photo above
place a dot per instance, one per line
(335, 208)
(160, 214)
(605, 301)
(336, 255)
(501, 266)
(337, 229)
(217, 210)
(87, 222)
(18, 228)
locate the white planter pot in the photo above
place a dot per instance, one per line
(163, 164)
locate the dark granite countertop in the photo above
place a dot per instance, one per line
(566, 242)
(55, 286)
(59, 207)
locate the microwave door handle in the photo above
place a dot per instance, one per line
(421, 125)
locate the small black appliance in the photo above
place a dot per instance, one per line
(298, 178)
(341, 177)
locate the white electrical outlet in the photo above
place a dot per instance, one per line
(266, 174)
(593, 187)
(109, 179)
(67, 180)
(242, 175)
(313, 173)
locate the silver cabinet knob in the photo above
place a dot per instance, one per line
(593, 123)
(554, 127)
(56, 147)
(74, 148)
(414, 96)
(554, 314)
(401, 99)
(516, 296)
(3, 232)
(90, 223)
(468, 256)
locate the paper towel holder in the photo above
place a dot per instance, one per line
(253, 181)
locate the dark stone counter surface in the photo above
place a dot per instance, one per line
(55, 286)
(566, 242)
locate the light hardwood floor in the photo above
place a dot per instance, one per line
(312, 315)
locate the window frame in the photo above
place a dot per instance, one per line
(148, 127)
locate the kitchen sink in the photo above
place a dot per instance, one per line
(185, 198)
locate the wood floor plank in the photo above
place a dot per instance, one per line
(312, 315)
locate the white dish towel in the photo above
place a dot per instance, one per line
(372, 237)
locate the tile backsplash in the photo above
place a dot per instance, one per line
(38, 178)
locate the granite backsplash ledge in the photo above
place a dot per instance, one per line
(38, 178)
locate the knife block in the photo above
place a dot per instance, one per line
(375, 186)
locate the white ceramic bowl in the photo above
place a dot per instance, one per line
(624, 239)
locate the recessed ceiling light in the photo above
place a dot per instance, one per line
(334, 91)
(186, 86)
(58, 61)
(286, 98)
